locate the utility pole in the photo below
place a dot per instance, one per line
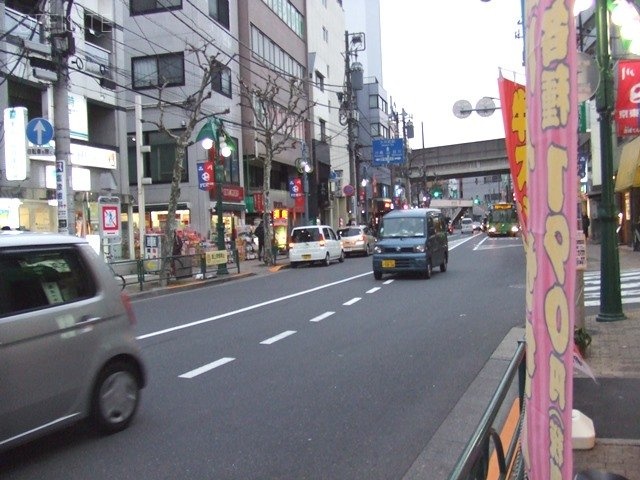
(62, 47)
(353, 43)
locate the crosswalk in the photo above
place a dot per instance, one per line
(629, 287)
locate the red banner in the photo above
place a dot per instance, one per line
(258, 202)
(514, 107)
(628, 100)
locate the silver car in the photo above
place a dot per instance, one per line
(67, 345)
(357, 239)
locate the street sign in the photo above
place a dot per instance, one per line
(388, 151)
(39, 131)
(109, 217)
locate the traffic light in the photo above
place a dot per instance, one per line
(476, 201)
(437, 194)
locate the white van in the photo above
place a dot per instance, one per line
(314, 243)
(466, 225)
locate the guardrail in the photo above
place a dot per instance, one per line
(145, 272)
(473, 463)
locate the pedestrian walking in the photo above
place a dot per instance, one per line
(585, 225)
(259, 232)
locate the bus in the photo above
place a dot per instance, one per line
(502, 220)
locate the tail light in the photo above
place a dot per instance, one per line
(126, 301)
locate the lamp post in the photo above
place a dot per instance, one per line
(305, 167)
(610, 296)
(214, 139)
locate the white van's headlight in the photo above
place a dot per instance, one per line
(419, 248)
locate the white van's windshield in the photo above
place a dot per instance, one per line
(402, 227)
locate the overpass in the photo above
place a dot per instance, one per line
(474, 159)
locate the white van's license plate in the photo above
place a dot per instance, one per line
(388, 263)
(306, 256)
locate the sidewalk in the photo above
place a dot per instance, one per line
(612, 403)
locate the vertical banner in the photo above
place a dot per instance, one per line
(552, 114)
(205, 175)
(514, 116)
(628, 99)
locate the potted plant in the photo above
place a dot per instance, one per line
(582, 340)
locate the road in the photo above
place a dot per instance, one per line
(318, 373)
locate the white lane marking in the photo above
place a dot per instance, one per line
(280, 336)
(250, 307)
(322, 317)
(206, 368)
(387, 282)
(352, 301)
(479, 243)
(373, 290)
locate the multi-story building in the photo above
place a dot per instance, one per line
(272, 37)
(325, 41)
(167, 46)
(94, 40)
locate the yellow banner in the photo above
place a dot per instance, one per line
(216, 257)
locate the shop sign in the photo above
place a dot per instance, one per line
(15, 151)
(295, 187)
(216, 257)
(258, 202)
(230, 193)
(628, 100)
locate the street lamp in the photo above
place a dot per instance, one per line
(305, 167)
(214, 138)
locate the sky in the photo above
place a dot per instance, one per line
(436, 52)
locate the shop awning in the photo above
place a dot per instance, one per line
(628, 170)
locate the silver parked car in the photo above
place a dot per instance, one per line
(67, 345)
(357, 239)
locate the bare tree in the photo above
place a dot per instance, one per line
(279, 107)
(192, 108)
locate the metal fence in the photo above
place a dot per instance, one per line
(145, 273)
(473, 463)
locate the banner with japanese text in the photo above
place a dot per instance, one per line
(550, 243)
(205, 175)
(628, 99)
(514, 107)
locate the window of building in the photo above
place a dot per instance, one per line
(219, 9)
(158, 164)
(158, 71)
(288, 14)
(325, 35)
(265, 48)
(376, 101)
(320, 81)
(140, 7)
(323, 130)
(379, 130)
(221, 79)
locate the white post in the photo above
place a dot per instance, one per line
(140, 174)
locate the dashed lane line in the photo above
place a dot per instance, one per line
(206, 368)
(278, 337)
(319, 318)
(352, 301)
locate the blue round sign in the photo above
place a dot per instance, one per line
(39, 131)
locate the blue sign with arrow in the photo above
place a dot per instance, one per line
(39, 131)
(388, 151)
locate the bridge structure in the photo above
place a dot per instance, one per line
(474, 159)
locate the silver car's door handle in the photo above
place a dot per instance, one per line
(87, 319)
